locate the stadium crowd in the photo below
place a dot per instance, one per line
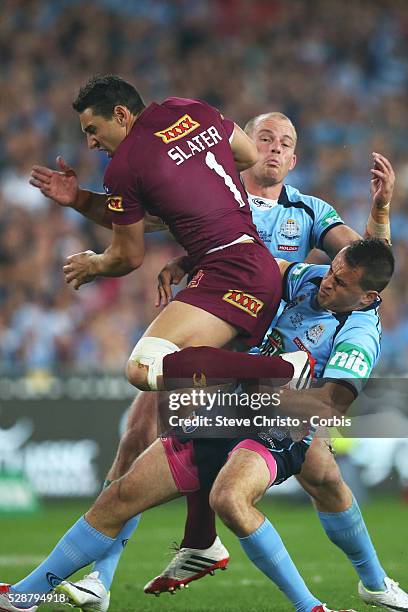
(344, 87)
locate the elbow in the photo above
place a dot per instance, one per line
(127, 261)
(133, 262)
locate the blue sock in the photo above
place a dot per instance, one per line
(81, 545)
(266, 550)
(348, 531)
(106, 565)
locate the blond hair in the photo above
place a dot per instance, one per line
(252, 123)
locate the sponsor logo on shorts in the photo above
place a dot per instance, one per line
(115, 203)
(199, 380)
(245, 301)
(179, 129)
(351, 359)
(330, 218)
(195, 281)
(188, 429)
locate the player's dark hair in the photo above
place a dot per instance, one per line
(376, 259)
(103, 93)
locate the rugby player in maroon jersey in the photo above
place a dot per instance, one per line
(178, 160)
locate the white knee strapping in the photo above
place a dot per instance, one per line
(151, 352)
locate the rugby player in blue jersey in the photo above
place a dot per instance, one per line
(336, 312)
(291, 224)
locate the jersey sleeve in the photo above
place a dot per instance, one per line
(326, 217)
(355, 352)
(298, 274)
(123, 199)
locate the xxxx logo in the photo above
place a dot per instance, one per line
(181, 128)
(115, 203)
(244, 301)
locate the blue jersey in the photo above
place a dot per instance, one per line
(293, 224)
(346, 346)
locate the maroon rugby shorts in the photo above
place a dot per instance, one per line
(241, 285)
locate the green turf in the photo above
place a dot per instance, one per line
(242, 587)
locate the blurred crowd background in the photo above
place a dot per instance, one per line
(338, 69)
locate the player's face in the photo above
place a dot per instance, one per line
(275, 140)
(102, 134)
(340, 288)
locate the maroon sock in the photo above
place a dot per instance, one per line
(204, 366)
(199, 531)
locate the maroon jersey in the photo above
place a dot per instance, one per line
(177, 163)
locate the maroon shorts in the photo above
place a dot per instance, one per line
(241, 285)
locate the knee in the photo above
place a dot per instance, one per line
(136, 374)
(329, 485)
(230, 506)
(145, 366)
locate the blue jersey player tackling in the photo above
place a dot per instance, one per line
(348, 290)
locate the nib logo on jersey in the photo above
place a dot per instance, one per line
(330, 218)
(180, 128)
(351, 359)
(244, 301)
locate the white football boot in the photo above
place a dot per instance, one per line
(189, 564)
(303, 365)
(89, 594)
(393, 598)
(6, 601)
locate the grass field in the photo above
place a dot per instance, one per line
(26, 540)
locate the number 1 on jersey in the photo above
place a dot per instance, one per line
(212, 163)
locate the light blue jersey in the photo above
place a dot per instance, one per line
(346, 346)
(293, 224)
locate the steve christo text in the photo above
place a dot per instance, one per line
(258, 420)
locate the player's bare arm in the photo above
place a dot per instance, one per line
(378, 224)
(382, 188)
(331, 399)
(244, 149)
(172, 273)
(62, 186)
(123, 255)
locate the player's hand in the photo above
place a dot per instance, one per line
(78, 269)
(60, 185)
(171, 274)
(382, 181)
